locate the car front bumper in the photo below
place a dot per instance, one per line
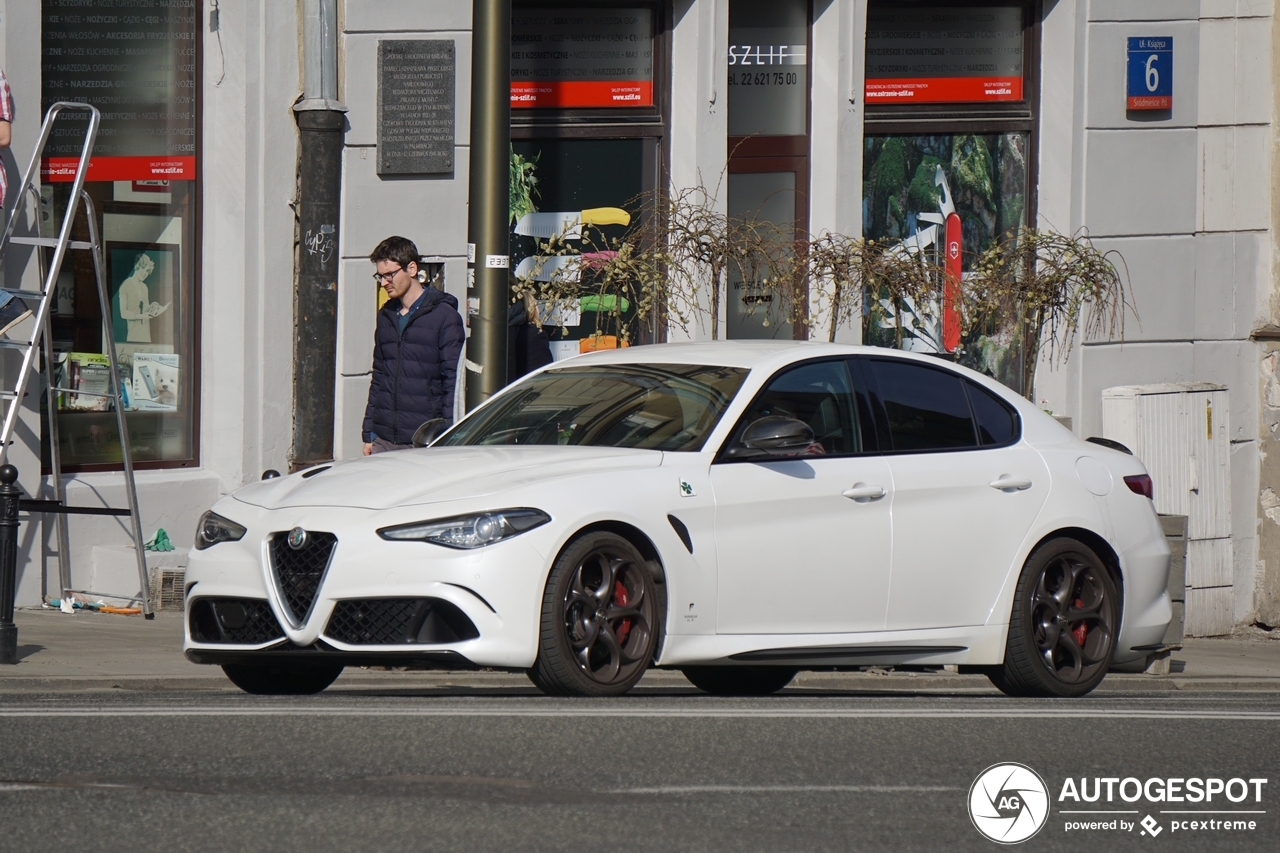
(496, 591)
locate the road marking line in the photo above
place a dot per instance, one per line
(676, 713)
(788, 789)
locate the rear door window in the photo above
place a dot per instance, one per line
(923, 408)
(996, 420)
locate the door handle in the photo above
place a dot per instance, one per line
(863, 492)
(1010, 484)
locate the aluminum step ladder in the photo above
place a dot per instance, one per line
(29, 193)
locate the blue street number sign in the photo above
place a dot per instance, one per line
(1150, 78)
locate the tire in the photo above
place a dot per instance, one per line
(1064, 624)
(739, 680)
(281, 680)
(602, 617)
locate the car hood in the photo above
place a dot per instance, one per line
(436, 474)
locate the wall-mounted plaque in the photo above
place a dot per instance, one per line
(416, 107)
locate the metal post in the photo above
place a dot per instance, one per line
(9, 494)
(321, 124)
(488, 221)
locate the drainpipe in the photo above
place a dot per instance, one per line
(488, 221)
(321, 123)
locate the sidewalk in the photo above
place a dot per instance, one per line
(95, 651)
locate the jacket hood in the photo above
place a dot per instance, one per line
(432, 475)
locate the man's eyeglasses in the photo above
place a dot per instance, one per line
(386, 277)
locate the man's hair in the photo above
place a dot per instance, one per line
(399, 250)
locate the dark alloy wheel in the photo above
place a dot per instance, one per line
(739, 680)
(278, 680)
(601, 618)
(1062, 632)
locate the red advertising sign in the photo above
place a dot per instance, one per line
(951, 284)
(581, 58)
(940, 54)
(937, 90)
(145, 168)
(582, 93)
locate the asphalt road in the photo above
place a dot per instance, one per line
(668, 768)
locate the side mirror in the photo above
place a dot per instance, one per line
(429, 432)
(777, 436)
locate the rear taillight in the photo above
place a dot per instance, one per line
(1140, 484)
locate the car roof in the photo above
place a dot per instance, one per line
(727, 353)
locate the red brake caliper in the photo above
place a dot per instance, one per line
(1081, 630)
(620, 596)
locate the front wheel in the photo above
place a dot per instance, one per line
(739, 680)
(276, 680)
(601, 615)
(1063, 628)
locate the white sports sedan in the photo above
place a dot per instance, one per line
(737, 511)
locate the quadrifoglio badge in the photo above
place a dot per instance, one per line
(1009, 803)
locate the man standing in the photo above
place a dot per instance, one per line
(417, 341)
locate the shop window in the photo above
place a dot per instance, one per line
(589, 101)
(949, 157)
(140, 69)
(768, 182)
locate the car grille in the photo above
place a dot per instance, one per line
(238, 621)
(393, 621)
(299, 571)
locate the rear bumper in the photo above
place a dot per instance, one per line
(1147, 609)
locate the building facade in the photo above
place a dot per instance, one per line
(855, 117)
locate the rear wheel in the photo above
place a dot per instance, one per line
(601, 614)
(739, 680)
(1062, 632)
(281, 680)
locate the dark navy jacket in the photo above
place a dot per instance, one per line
(414, 373)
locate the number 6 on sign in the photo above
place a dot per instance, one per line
(1149, 82)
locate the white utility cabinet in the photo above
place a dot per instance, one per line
(1180, 432)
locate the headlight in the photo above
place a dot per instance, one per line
(213, 529)
(468, 531)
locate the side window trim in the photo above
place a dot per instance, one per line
(874, 433)
(743, 423)
(882, 415)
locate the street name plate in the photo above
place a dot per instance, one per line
(416, 107)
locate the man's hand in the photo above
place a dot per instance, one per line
(368, 448)
(6, 133)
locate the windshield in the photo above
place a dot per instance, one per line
(650, 406)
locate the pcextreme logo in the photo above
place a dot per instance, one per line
(1008, 803)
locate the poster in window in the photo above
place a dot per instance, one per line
(580, 57)
(143, 280)
(944, 193)
(944, 54)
